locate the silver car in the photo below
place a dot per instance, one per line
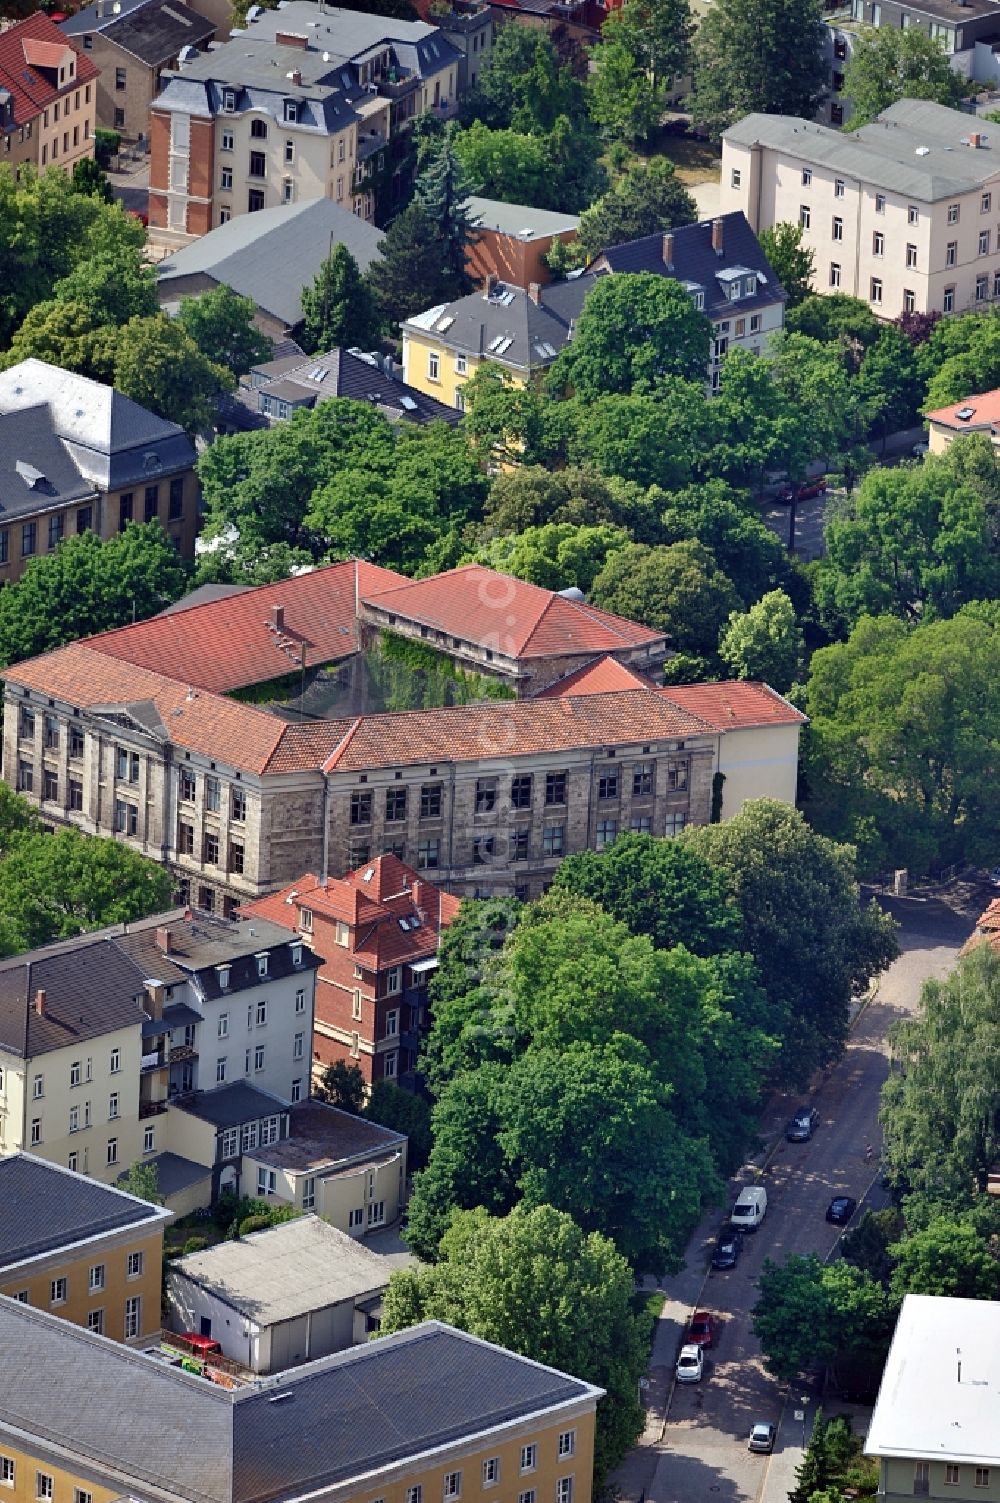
(761, 1438)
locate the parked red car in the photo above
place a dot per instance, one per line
(803, 492)
(702, 1332)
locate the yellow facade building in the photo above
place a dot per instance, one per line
(429, 1415)
(86, 1252)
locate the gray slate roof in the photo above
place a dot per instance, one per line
(28, 438)
(271, 255)
(509, 313)
(174, 1173)
(91, 988)
(884, 154)
(518, 220)
(286, 1271)
(346, 373)
(693, 260)
(347, 34)
(202, 943)
(353, 1413)
(231, 1105)
(110, 440)
(154, 31)
(45, 1207)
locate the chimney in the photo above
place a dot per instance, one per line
(717, 236)
(164, 940)
(155, 991)
(489, 284)
(535, 292)
(668, 249)
(295, 76)
(291, 39)
(975, 139)
(278, 616)
(40, 1001)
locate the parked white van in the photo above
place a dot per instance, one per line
(750, 1208)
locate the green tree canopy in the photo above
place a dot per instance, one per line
(808, 1312)
(534, 1282)
(678, 589)
(524, 85)
(89, 177)
(634, 333)
(337, 309)
(531, 497)
(802, 921)
(158, 365)
(764, 642)
(792, 262)
(113, 286)
(650, 440)
(221, 323)
(658, 33)
(743, 546)
(86, 586)
(555, 556)
(833, 317)
(648, 198)
(410, 272)
(391, 1106)
(757, 55)
(947, 1258)
(463, 990)
(886, 65)
(626, 99)
(442, 188)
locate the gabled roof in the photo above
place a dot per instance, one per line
(31, 52)
(478, 605)
(191, 1440)
(306, 380)
(228, 643)
(271, 255)
(693, 260)
(600, 677)
(480, 324)
(376, 900)
(979, 412)
(737, 706)
(46, 1207)
(987, 930)
(155, 32)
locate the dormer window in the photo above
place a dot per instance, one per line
(291, 111)
(262, 965)
(306, 920)
(749, 286)
(224, 972)
(229, 101)
(296, 954)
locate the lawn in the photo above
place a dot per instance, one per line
(695, 161)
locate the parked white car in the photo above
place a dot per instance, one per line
(690, 1364)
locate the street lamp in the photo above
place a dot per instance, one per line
(804, 1402)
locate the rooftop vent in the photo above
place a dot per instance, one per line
(922, 151)
(29, 474)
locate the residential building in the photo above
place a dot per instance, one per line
(133, 42)
(719, 263)
(376, 932)
(512, 241)
(86, 1252)
(975, 414)
(301, 104)
(933, 1431)
(268, 258)
(522, 783)
(150, 1430)
(279, 1297)
(99, 1035)
(965, 31)
(987, 930)
(272, 392)
(722, 266)
(469, 27)
(901, 213)
(77, 456)
(47, 98)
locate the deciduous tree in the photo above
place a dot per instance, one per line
(679, 590)
(634, 333)
(648, 198)
(792, 261)
(764, 642)
(886, 65)
(221, 324)
(338, 309)
(757, 55)
(626, 99)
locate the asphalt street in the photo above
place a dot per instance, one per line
(694, 1447)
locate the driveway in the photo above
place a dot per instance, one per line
(698, 1453)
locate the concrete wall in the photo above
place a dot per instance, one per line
(758, 763)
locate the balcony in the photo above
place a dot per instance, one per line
(156, 1060)
(398, 88)
(151, 1109)
(179, 1053)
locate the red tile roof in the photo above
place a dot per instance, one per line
(985, 412)
(373, 899)
(734, 706)
(230, 643)
(987, 930)
(601, 677)
(33, 44)
(497, 611)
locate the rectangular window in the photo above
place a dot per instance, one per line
(75, 1073)
(76, 794)
(641, 824)
(807, 176)
(95, 1322)
(125, 505)
(952, 1475)
(133, 1317)
(258, 163)
(834, 274)
(880, 203)
(838, 228)
(520, 791)
(300, 1001)
(461, 365)
(36, 1131)
(735, 178)
(982, 284)
(567, 1444)
(212, 795)
(175, 501)
(452, 1485)
(258, 1058)
(4, 545)
(909, 300)
(50, 785)
(912, 214)
(552, 840)
(113, 1102)
(26, 725)
(984, 242)
(564, 1490)
(674, 824)
(236, 857)
(134, 1266)
(58, 1290)
(607, 783)
(555, 788)
(482, 850)
(642, 779)
(951, 253)
(361, 808)
(520, 841)
(948, 301)
(298, 1046)
(413, 1494)
(25, 776)
(395, 804)
(43, 1485)
(38, 1087)
(266, 1181)
(262, 1013)
(151, 502)
(982, 1476)
(29, 535)
(486, 795)
(112, 1151)
(255, 201)
(56, 525)
(491, 1471)
(428, 855)
(210, 850)
(430, 801)
(953, 213)
(607, 829)
(148, 1139)
(7, 1468)
(838, 187)
(911, 256)
(433, 366)
(529, 1458)
(96, 1277)
(875, 291)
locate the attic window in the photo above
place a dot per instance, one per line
(151, 460)
(223, 972)
(965, 413)
(229, 101)
(262, 964)
(296, 950)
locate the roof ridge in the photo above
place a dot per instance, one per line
(343, 744)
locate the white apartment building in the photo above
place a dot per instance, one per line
(903, 213)
(100, 1034)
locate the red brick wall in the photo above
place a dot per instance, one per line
(202, 158)
(159, 147)
(511, 260)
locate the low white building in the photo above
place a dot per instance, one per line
(279, 1297)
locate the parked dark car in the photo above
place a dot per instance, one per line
(841, 1209)
(802, 1125)
(728, 1246)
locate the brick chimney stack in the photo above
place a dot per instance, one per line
(718, 229)
(668, 249)
(278, 617)
(535, 292)
(164, 940)
(40, 1001)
